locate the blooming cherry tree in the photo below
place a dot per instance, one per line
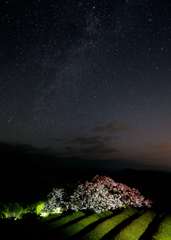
(100, 194)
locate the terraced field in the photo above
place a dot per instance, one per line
(127, 224)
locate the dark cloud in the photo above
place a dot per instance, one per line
(91, 140)
(101, 145)
(90, 147)
(57, 139)
(99, 149)
(111, 127)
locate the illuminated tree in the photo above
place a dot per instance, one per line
(55, 202)
(100, 194)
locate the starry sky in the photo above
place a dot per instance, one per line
(88, 78)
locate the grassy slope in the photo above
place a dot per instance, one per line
(66, 219)
(164, 231)
(109, 224)
(135, 229)
(51, 217)
(80, 225)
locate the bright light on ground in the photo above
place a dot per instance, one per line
(44, 214)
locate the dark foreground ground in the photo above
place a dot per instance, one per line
(28, 175)
(127, 224)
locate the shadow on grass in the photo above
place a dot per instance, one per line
(90, 227)
(152, 227)
(122, 225)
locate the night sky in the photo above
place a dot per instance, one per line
(88, 78)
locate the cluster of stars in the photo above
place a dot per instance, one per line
(69, 64)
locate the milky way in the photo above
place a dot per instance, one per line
(68, 68)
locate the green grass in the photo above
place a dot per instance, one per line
(109, 224)
(80, 225)
(51, 217)
(66, 219)
(135, 229)
(164, 231)
(14, 211)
